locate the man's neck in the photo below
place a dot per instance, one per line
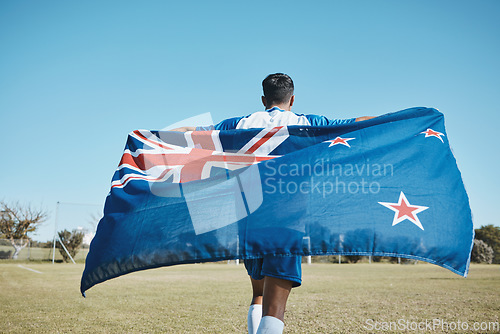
(280, 106)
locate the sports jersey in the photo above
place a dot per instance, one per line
(274, 117)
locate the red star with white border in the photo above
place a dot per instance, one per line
(432, 133)
(404, 210)
(339, 140)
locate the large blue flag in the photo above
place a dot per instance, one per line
(388, 186)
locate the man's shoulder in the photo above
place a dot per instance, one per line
(228, 123)
(277, 117)
(321, 120)
(271, 118)
(255, 119)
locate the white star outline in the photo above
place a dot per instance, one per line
(432, 133)
(342, 141)
(414, 212)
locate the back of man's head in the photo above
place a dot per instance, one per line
(278, 88)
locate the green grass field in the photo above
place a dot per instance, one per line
(214, 298)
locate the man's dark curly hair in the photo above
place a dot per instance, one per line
(278, 88)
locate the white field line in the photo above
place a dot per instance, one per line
(33, 270)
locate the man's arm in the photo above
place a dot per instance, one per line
(184, 129)
(227, 124)
(364, 118)
(193, 128)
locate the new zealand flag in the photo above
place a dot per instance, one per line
(388, 186)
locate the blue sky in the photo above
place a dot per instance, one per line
(76, 77)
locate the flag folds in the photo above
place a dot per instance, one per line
(388, 186)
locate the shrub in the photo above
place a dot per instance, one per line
(481, 252)
(72, 241)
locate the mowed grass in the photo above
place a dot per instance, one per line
(214, 298)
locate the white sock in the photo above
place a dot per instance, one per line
(270, 325)
(254, 316)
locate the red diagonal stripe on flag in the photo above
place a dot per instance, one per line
(136, 132)
(262, 140)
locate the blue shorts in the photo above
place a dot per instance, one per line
(284, 267)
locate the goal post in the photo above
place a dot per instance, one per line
(75, 217)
